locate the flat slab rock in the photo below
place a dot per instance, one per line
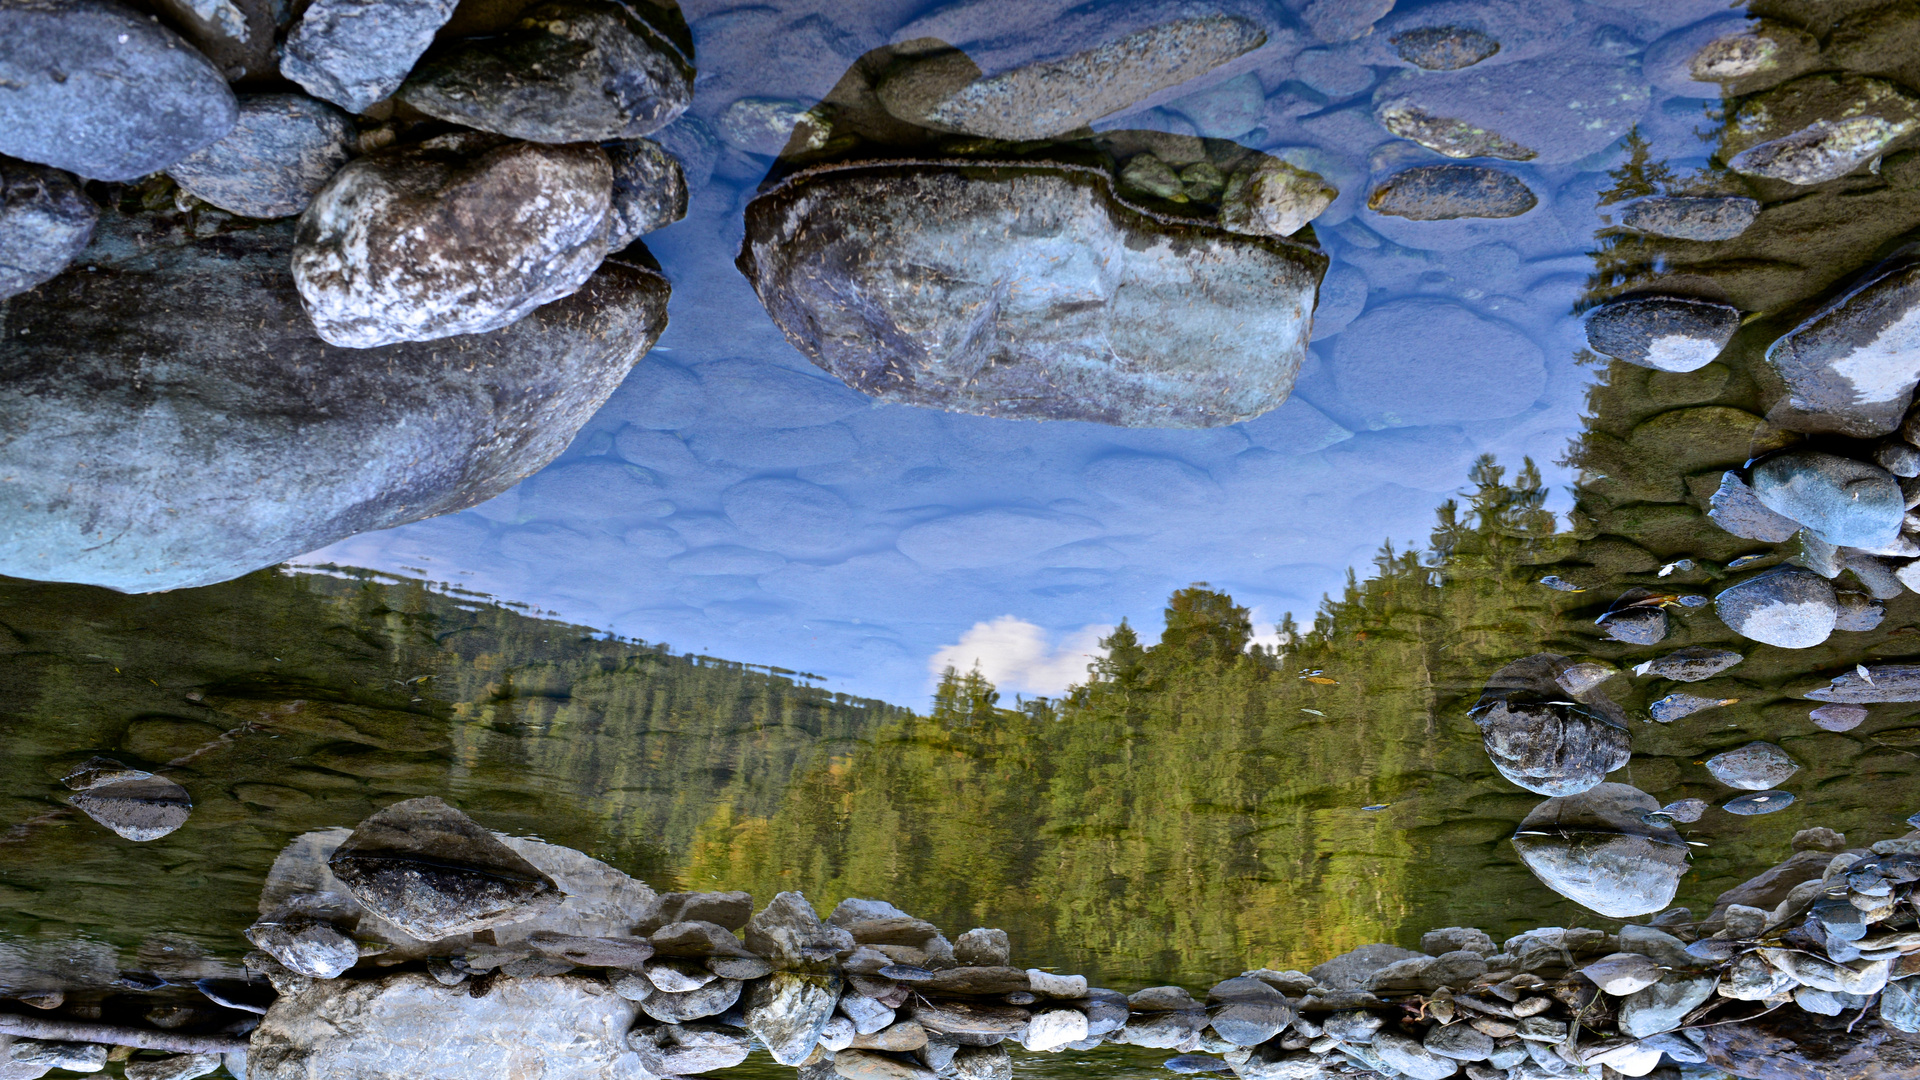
(912, 283)
(406, 1026)
(198, 393)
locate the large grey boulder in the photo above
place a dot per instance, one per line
(1355, 969)
(788, 1011)
(1784, 606)
(45, 220)
(1845, 502)
(281, 152)
(911, 283)
(1093, 61)
(557, 1027)
(1597, 849)
(181, 381)
(1539, 739)
(1851, 367)
(1666, 333)
(1818, 127)
(357, 52)
(567, 71)
(458, 235)
(92, 87)
(1247, 1012)
(430, 870)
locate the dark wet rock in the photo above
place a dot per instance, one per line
(789, 932)
(975, 980)
(389, 250)
(1409, 1058)
(1594, 849)
(1817, 128)
(1666, 333)
(688, 1049)
(1762, 802)
(1576, 107)
(1881, 683)
(982, 947)
(1787, 1044)
(1457, 939)
(1580, 678)
(628, 953)
(98, 90)
(1857, 612)
(875, 922)
(1691, 217)
(824, 252)
(1444, 48)
(428, 869)
(173, 1067)
(1845, 502)
(315, 950)
(1851, 368)
(1540, 741)
(1354, 970)
(1865, 977)
(968, 1018)
(77, 1057)
(1335, 21)
(1460, 1042)
(1735, 509)
(1838, 717)
(649, 191)
(1674, 706)
(45, 221)
(135, 804)
(1247, 1012)
(1691, 664)
(357, 52)
(696, 937)
(562, 1028)
(1756, 766)
(1898, 458)
(282, 150)
(1636, 625)
(727, 910)
(1785, 606)
(568, 71)
(1114, 65)
(1446, 192)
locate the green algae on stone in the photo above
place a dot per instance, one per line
(1817, 128)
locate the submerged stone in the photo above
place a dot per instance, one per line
(1817, 128)
(1594, 849)
(1447, 192)
(1444, 48)
(134, 803)
(101, 90)
(1691, 664)
(1575, 106)
(1684, 217)
(1785, 606)
(430, 870)
(1735, 508)
(1838, 717)
(1852, 367)
(181, 374)
(1845, 502)
(1541, 741)
(567, 71)
(45, 221)
(1755, 766)
(1666, 333)
(312, 949)
(912, 284)
(1764, 802)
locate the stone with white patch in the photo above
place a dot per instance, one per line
(1666, 333)
(1851, 368)
(1786, 606)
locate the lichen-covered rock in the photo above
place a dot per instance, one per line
(568, 71)
(558, 1027)
(1274, 198)
(1575, 107)
(1115, 65)
(450, 238)
(357, 52)
(430, 870)
(1817, 128)
(1691, 217)
(1447, 192)
(908, 282)
(97, 89)
(649, 191)
(1666, 333)
(1785, 606)
(195, 392)
(1542, 742)
(279, 154)
(1733, 54)
(1597, 849)
(45, 221)
(1852, 367)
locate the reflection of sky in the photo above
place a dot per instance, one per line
(734, 500)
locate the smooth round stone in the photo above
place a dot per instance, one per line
(1666, 333)
(1760, 802)
(1691, 217)
(1756, 766)
(1845, 502)
(1838, 717)
(1197, 1063)
(1788, 607)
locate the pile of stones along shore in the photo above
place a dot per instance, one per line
(422, 944)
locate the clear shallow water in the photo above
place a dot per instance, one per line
(1178, 816)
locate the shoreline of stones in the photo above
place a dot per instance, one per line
(872, 993)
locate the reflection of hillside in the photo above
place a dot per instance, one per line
(285, 704)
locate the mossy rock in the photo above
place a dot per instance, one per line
(272, 796)
(162, 739)
(1683, 441)
(1669, 389)
(369, 763)
(1671, 530)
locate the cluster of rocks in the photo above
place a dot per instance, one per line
(432, 228)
